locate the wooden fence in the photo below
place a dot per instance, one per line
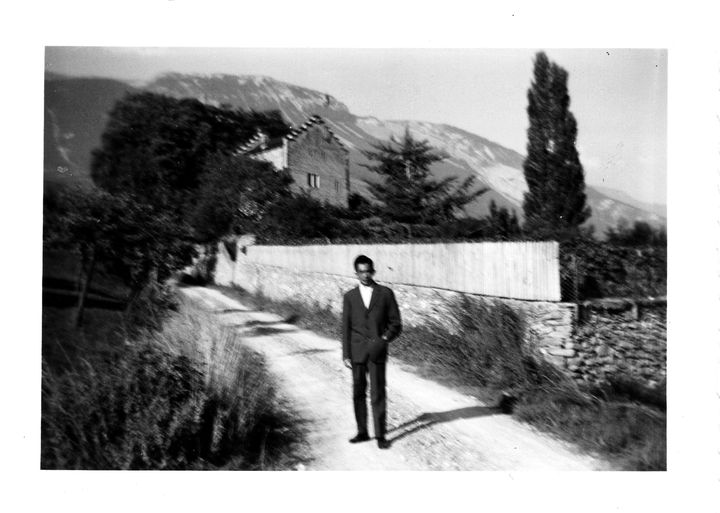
(519, 270)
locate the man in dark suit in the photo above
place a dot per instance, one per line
(370, 321)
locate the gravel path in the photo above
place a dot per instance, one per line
(430, 426)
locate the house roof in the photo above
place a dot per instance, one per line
(269, 144)
(260, 143)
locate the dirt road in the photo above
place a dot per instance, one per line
(430, 426)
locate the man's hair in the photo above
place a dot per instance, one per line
(362, 259)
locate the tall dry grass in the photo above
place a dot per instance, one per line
(189, 396)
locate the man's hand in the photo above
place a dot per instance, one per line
(347, 363)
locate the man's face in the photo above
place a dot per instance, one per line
(364, 273)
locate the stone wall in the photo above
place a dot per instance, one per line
(620, 337)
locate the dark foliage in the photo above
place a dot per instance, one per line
(300, 217)
(359, 207)
(148, 309)
(235, 196)
(504, 225)
(554, 206)
(595, 269)
(466, 228)
(321, 223)
(154, 148)
(115, 235)
(169, 183)
(629, 388)
(134, 240)
(641, 234)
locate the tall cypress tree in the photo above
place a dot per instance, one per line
(554, 205)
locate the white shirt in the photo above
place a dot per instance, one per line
(366, 293)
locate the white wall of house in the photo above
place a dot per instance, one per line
(277, 156)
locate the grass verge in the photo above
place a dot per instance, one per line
(187, 396)
(488, 360)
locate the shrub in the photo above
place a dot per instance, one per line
(492, 335)
(189, 396)
(202, 270)
(150, 307)
(632, 434)
(593, 269)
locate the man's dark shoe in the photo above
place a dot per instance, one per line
(360, 437)
(383, 443)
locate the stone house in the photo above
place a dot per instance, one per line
(316, 159)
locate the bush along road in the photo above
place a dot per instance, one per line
(430, 426)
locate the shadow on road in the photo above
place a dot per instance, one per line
(261, 331)
(233, 310)
(431, 418)
(288, 320)
(313, 351)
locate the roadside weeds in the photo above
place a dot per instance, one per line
(487, 361)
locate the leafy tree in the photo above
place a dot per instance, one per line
(154, 147)
(133, 240)
(235, 195)
(359, 207)
(555, 205)
(408, 192)
(156, 152)
(300, 217)
(641, 234)
(503, 224)
(464, 228)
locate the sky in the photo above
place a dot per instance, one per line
(619, 97)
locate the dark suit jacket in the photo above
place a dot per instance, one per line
(363, 328)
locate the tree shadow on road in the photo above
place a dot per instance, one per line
(292, 319)
(428, 419)
(233, 310)
(313, 351)
(262, 331)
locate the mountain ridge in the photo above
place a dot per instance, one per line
(469, 154)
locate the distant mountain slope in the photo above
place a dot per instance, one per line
(76, 109)
(75, 116)
(653, 208)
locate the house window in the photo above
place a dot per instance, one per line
(313, 181)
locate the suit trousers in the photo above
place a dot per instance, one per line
(377, 395)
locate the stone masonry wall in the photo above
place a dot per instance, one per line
(620, 337)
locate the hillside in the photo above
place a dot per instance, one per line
(75, 116)
(76, 112)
